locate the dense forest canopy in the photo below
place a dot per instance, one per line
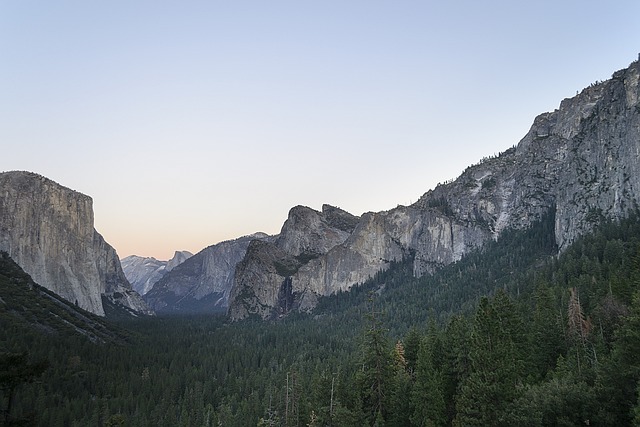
(512, 334)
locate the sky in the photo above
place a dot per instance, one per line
(193, 122)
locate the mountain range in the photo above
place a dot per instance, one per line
(580, 161)
(201, 284)
(144, 272)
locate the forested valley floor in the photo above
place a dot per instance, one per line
(513, 334)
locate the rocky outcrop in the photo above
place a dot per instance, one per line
(202, 283)
(144, 272)
(25, 305)
(581, 160)
(260, 277)
(310, 233)
(265, 273)
(178, 258)
(47, 229)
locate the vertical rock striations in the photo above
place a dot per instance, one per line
(47, 229)
(583, 160)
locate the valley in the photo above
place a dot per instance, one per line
(420, 339)
(508, 296)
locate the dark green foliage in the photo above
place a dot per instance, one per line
(286, 268)
(489, 183)
(26, 306)
(428, 406)
(305, 257)
(15, 370)
(187, 304)
(546, 332)
(456, 364)
(376, 375)
(412, 344)
(497, 364)
(489, 340)
(561, 401)
(511, 263)
(442, 205)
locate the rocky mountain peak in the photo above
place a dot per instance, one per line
(203, 282)
(340, 219)
(307, 232)
(580, 160)
(305, 236)
(48, 230)
(178, 258)
(144, 272)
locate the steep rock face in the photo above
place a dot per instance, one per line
(581, 159)
(377, 240)
(310, 233)
(201, 283)
(117, 288)
(33, 307)
(260, 276)
(602, 173)
(178, 258)
(48, 230)
(144, 272)
(306, 236)
(432, 238)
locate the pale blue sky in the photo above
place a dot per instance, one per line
(195, 122)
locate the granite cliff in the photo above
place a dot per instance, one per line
(200, 284)
(263, 280)
(144, 272)
(47, 229)
(581, 160)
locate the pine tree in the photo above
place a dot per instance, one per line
(546, 339)
(15, 370)
(376, 374)
(411, 347)
(496, 364)
(620, 376)
(399, 400)
(456, 363)
(579, 325)
(427, 398)
(579, 329)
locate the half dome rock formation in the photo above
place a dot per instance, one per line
(144, 272)
(47, 229)
(580, 162)
(178, 258)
